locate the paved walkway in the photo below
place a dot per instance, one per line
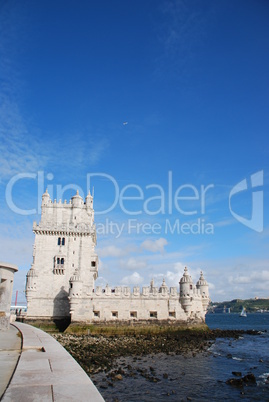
(47, 372)
(10, 349)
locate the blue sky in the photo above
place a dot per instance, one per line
(191, 81)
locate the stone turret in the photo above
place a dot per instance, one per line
(163, 288)
(89, 206)
(202, 285)
(46, 198)
(89, 201)
(75, 293)
(77, 200)
(75, 289)
(186, 290)
(30, 288)
(31, 282)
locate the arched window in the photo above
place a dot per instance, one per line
(62, 261)
(63, 241)
(59, 241)
(58, 261)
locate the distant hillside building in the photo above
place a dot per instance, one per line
(61, 281)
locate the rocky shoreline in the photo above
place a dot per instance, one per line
(99, 352)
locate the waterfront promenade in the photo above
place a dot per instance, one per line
(35, 367)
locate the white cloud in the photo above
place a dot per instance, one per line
(155, 246)
(256, 277)
(263, 275)
(134, 279)
(182, 32)
(133, 263)
(173, 276)
(97, 149)
(23, 146)
(237, 278)
(101, 281)
(16, 247)
(225, 222)
(111, 251)
(20, 151)
(25, 149)
(87, 147)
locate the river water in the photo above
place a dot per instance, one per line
(201, 377)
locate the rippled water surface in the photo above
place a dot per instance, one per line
(201, 377)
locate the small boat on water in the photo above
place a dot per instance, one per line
(243, 312)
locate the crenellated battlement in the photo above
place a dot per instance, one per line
(126, 291)
(63, 229)
(75, 202)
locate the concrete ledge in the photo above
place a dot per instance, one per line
(47, 372)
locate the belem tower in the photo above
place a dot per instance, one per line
(61, 281)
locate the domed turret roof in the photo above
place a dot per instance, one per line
(31, 273)
(77, 196)
(89, 199)
(45, 197)
(75, 277)
(186, 278)
(77, 200)
(163, 285)
(46, 194)
(201, 281)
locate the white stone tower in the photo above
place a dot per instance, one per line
(64, 249)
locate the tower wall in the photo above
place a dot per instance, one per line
(64, 243)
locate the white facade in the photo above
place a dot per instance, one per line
(61, 281)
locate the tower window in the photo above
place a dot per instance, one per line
(59, 268)
(61, 241)
(93, 263)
